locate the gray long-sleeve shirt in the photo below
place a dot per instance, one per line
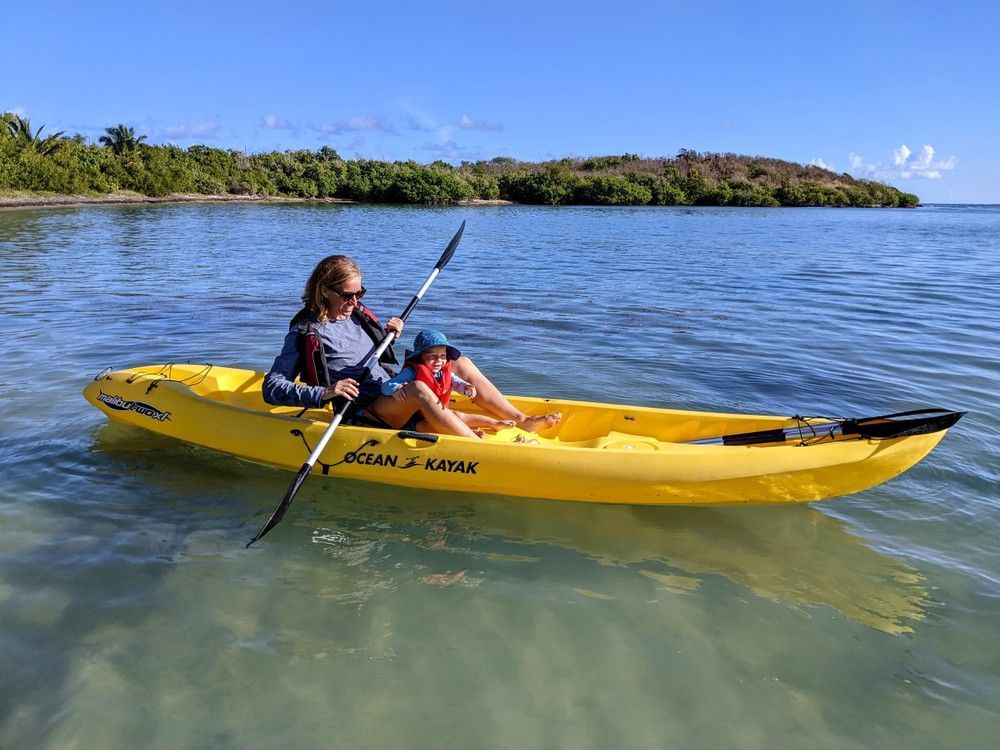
(345, 342)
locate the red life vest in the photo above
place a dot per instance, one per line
(314, 368)
(442, 387)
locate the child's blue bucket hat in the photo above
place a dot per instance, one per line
(431, 337)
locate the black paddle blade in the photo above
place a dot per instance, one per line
(279, 512)
(450, 250)
(903, 424)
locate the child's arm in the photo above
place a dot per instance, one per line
(458, 385)
(406, 375)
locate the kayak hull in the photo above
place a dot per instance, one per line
(598, 453)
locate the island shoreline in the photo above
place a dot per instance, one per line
(125, 199)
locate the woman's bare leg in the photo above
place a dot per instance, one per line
(489, 397)
(420, 397)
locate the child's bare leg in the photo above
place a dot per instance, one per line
(489, 397)
(480, 421)
(436, 418)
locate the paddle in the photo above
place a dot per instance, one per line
(375, 352)
(901, 424)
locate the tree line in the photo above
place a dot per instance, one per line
(120, 160)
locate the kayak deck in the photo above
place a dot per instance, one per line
(598, 452)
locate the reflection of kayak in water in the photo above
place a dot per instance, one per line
(795, 556)
(598, 452)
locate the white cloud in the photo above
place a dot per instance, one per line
(905, 165)
(360, 124)
(275, 122)
(817, 162)
(469, 123)
(208, 129)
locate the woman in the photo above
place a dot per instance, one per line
(328, 339)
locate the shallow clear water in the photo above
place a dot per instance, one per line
(131, 615)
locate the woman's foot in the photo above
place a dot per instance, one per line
(540, 421)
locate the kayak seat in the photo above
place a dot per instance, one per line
(623, 441)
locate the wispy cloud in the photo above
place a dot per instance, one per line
(208, 129)
(904, 166)
(817, 162)
(412, 123)
(468, 123)
(424, 122)
(451, 151)
(360, 124)
(275, 122)
(418, 119)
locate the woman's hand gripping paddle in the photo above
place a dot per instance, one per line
(375, 352)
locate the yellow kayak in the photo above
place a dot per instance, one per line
(605, 453)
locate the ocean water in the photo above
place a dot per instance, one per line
(132, 616)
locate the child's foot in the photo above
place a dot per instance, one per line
(540, 422)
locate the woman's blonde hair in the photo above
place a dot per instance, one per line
(332, 271)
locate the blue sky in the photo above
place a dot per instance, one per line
(908, 93)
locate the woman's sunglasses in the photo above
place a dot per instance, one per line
(348, 296)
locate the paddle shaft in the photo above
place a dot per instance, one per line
(821, 429)
(374, 353)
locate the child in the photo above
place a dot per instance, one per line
(431, 362)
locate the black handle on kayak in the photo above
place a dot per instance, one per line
(427, 437)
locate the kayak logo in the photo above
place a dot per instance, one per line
(372, 458)
(120, 404)
(452, 467)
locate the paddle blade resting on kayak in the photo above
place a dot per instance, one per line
(605, 453)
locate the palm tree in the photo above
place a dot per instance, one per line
(121, 138)
(19, 129)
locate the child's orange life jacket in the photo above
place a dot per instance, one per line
(442, 387)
